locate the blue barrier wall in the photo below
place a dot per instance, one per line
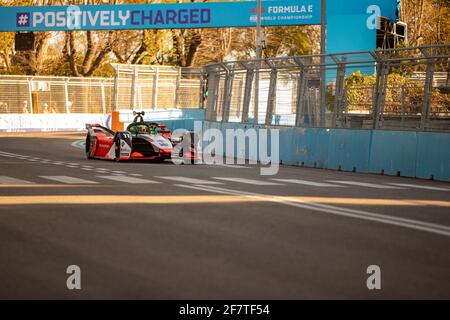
(407, 153)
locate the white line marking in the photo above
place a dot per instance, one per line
(68, 180)
(364, 184)
(9, 180)
(79, 144)
(234, 166)
(358, 214)
(419, 186)
(189, 180)
(308, 183)
(249, 181)
(136, 175)
(119, 172)
(87, 169)
(127, 179)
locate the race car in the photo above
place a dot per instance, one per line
(141, 141)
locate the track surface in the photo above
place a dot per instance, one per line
(144, 230)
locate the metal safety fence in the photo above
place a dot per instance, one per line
(140, 87)
(134, 87)
(407, 88)
(25, 94)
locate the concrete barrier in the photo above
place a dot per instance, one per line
(405, 153)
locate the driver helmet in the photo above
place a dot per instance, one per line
(142, 128)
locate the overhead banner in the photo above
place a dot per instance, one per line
(159, 16)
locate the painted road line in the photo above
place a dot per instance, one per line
(136, 175)
(234, 166)
(309, 183)
(249, 181)
(79, 144)
(364, 184)
(189, 180)
(407, 185)
(351, 213)
(68, 180)
(119, 172)
(127, 179)
(87, 169)
(9, 180)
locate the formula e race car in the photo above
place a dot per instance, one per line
(141, 141)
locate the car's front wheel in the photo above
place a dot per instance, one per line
(117, 150)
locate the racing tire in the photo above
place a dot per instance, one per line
(88, 147)
(117, 150)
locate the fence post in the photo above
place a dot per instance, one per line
(227, 92)
(448, 73)
(155, 89)
(402, 99)
(201, 101)
(102, 86)
(66, 95)
(272, 96)
(247, 94)
(30, 95)
(427, 94)
(301, 87)
(177, 87)
(133, 88)
(116, 89)
(339, 92)
(213, 84)
(380, 90)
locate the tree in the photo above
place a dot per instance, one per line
(428, 21)
(84, 60)
(7, 50)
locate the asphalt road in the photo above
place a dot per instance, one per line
(148, 231)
